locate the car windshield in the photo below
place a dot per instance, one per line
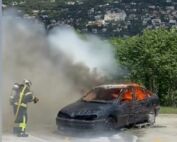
(102, 94)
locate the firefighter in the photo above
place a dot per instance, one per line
(20, 97)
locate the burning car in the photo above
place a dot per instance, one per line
(111, 106)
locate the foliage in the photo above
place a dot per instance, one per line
(151, 59)
(168, 110)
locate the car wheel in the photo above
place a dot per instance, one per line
(111, 123)
(151, 118)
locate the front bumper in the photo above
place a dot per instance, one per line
(63, 123)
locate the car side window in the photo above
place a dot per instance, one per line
(140, 94)
(127, 96)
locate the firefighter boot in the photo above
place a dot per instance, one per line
(22, 134)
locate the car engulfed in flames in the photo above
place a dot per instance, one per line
(110, 106)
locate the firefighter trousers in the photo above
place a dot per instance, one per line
(20, 121)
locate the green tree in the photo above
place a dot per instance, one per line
(151, 59)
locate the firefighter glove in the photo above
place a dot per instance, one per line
(35, 100)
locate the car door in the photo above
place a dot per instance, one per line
(125, 107)
(140, 104)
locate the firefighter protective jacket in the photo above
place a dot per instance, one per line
(21, 95)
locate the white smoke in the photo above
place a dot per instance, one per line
(59, 65)
(88, 49)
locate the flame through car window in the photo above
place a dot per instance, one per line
(102, 94)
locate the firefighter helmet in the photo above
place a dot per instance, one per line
(27, 82)
(16, 86)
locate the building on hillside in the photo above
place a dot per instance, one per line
(52, 1)
(115, 16)
(156, 22)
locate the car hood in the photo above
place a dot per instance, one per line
(86, 108)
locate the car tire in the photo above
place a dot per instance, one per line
(111, 123)
(151, 118)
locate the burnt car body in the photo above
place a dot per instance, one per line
(110, 106)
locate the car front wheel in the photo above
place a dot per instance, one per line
(111, 123)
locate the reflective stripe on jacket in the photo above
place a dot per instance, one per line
(22, 104)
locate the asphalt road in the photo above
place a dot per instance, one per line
(165, 130)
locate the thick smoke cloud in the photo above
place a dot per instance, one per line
(89, 49)
(59, 65)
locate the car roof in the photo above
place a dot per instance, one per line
(109, 86)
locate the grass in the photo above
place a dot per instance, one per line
(168, 110)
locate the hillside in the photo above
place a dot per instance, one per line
(102, 17)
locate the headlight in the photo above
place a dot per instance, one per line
(63, 115)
